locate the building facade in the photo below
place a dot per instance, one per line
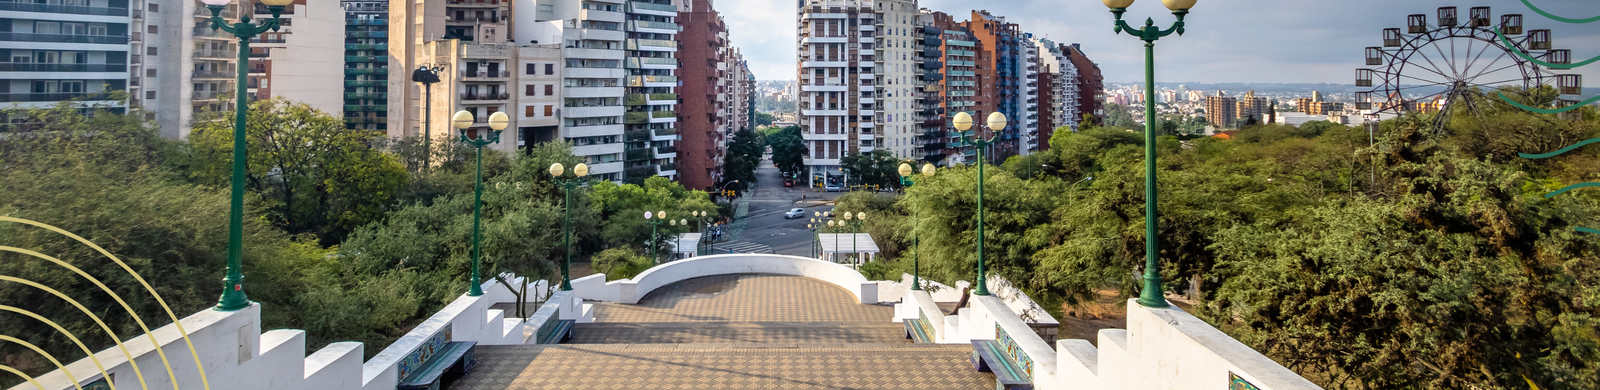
(69, 50)
(366, 64)
(1091, 85)
(1221, 110)
(837, 84)
(705, 127)
(896, 52)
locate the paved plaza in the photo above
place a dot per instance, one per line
(732, 332)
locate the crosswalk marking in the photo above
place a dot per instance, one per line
(740, 247)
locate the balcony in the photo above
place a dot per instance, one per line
(218, 54)
(633, 99)
(484, 74)
(52, 96)
(669, 149)
(663, 114)
(211, 95)
(641, 81)
(636, 136)
(366, 59)
(641, 62)
(61, 9)
(668, 167)
(659, 9)
(36, 67)
(367, 22)
(635, 117)
(367, 34)
(637, 154)
(359, 95)
(652, 44)
(380, 71)
(364, 83)
(485, 96)
(365, 46)
(635, 25)
(268, 40)
(66, 38)
(664, 132)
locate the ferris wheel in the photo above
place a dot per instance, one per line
(1438, 66)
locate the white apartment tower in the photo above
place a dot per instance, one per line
(838, 86)
(1064, 101)
(1028, 100)
(896, 54)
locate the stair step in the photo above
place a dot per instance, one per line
(738, 333)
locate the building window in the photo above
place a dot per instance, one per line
(549, 69)
(149, 73)
(528, 112)
(155, 7)
(151, 29)
(149, 94)
(549, 89)
(533, 68)
(150, 50)
(548, 110)
(529, 90)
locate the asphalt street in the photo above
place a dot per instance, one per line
(769, 200)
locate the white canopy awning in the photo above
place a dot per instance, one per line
(687, 245)
(847, 243)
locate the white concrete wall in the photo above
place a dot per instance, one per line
(1185, 353)
(594, 287)
(235, 353)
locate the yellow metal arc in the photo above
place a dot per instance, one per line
(114, 337)
(47, 356)
(136, 319)
(24, 376)
(69, 335)
(204, 381)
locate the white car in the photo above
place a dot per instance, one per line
(833, 188)
(794, 213)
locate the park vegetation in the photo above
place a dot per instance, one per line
(348, 235)
(1416, 259)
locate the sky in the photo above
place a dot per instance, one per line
(1263, 41)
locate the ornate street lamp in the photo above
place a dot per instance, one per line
(655, 221)
(557, 172)
(996, 123)
(855, 221)
(462, 120)
(233, 297)
(1151, 296)
(916, 246)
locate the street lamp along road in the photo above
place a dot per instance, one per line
(233, 297)
(996, 123)
(462, 120)
(579, 172)
(655, 221)
(1151, 296)
(916, 246)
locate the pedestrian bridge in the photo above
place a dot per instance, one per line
(726, 321)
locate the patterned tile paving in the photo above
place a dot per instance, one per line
(725, 366)
(746, 298)
(738, 332)
(732, 332)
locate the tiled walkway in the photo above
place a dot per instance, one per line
(733, 332)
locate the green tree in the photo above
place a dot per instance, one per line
(622, 208)
(1117, 116)
(877, 167)
(763, 119)
(317, 176)
(788, 150)
(744, 155)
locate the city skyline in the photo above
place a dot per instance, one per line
(1233, 41)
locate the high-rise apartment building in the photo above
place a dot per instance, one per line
(1058, 92)
(930, 87)
(414, 25)
(60, 50)
(1091, 85)
(999, 82)
(1028, 100)
(708, 82)
(366, 64)
(1221, 110)
(1251, 106)
(837, 83)
(896, 52)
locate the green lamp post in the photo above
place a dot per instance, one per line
(830, 229)
(655, 221)
(557, 174)
(463, 120)
(996, 123)
(1151, 296)
(233, 297)
(813, 228)
(916, 246)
